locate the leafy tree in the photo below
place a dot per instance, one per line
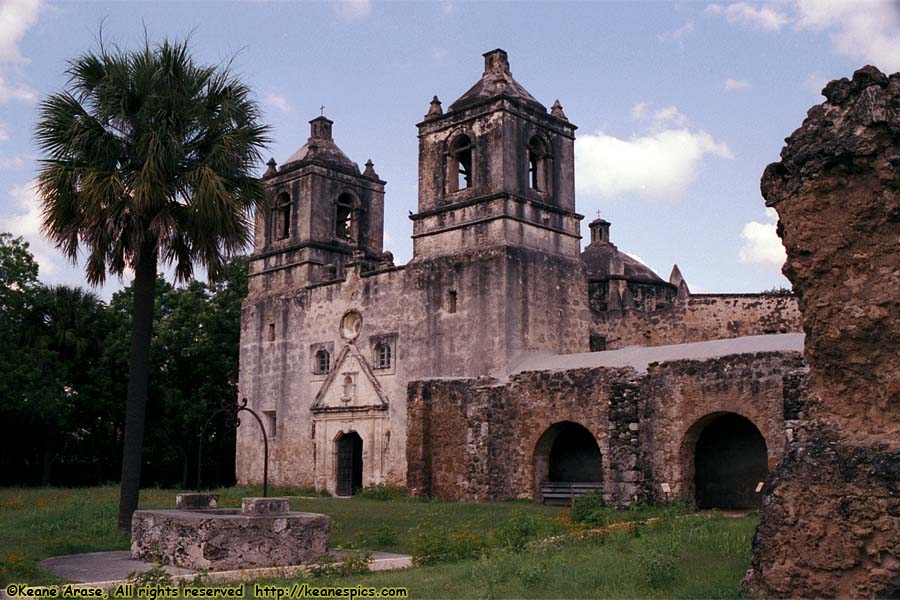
(149, 158)
(18, 275)
(62, 336)
(18, 280)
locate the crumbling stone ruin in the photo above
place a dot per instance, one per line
(830, 520)
(497, 363)
(199, 535)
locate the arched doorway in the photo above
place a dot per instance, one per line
(730, 461)
(567, 462)
(349, 464)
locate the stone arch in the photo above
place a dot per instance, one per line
(460, 162)
(539, 155)
(349, 464)
(566, 452)
(724, 458)
(280, 224)
(346, 217)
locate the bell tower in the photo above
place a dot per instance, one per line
(324, 216)
(496, 169)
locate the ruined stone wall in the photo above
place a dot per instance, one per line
(830, 524)
(480, 439)
(701, 317)
(682, 397)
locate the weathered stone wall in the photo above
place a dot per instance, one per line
(830, 524)
(682, 397)
(701, 317)
(481, 439)
(505, 300)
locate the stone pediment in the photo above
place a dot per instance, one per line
(350, 386)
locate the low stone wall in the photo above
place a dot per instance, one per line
(699, 318)
(263, 533)
(480, 439)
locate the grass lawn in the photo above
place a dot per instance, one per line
(470, 550)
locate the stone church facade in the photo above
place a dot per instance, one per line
(500, 359)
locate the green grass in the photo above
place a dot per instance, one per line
(690, 557)
(37, 523)
(481, 550)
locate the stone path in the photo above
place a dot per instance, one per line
(108, 569)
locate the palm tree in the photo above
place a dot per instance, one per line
(148, 158)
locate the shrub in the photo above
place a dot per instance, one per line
(518, 529)
(659, 571)
(154, 576)
(436, 543)
(589, 509)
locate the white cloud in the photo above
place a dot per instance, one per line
(25, 221)
(765, 17)
(668, 116)
(736, 85)
(661, 164)
(4, 132)
(353, 10)
(16, 16)
(866, 30)
(761, 245)
(15, 91)
(278, 101)
(677, 35)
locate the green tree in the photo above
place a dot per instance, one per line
(195, 354)
(18, 276)
(148, 158)
(62, 336)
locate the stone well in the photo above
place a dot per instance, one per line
(197, 535)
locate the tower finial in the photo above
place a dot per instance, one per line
(273, 169)
(370, 170)
(322, 111)
(320, 128)
(599, 230)
(434, 109)
(557, 111)
(496, 62)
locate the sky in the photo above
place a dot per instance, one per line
(679, 106)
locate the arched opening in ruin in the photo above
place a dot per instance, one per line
(349, 464)
(567, 463)
(727, 461)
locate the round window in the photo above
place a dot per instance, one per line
(351, 323)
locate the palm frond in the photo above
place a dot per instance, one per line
(147, 151)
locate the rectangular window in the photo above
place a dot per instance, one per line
(271, 420)
(271, 332)
(451, 301)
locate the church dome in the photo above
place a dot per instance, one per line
(320, 147)
(496, 81)
(602, 259)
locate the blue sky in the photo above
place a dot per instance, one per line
(679, 106)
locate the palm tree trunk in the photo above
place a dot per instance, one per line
(138, 383)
